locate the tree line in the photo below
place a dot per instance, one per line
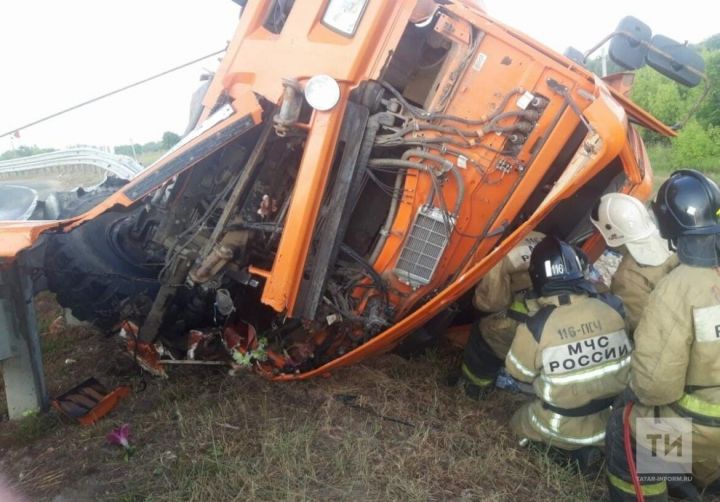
(168, 140)
(698, 142)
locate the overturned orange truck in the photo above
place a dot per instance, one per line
(357, 166)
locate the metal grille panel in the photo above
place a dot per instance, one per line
(423, 248)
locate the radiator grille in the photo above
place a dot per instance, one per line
(423, 247)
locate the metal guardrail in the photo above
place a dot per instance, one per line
(120, 166)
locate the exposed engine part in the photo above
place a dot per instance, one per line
(216, 260)
(504, 166)
(446, 165)
(418, 121)
(424, 247)
(290, 108)
(240, 189)
(222, 253)
(517, 139)
(539, 103)
(428, 116)
(268, 207)
(224, 302)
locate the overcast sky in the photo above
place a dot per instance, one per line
(56, 53)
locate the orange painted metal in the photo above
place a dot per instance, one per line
(19, 235)
(458, 335)
(454, 29)
(282, 285)
(642, 117)
(496, 188)
(487, 191)
(253, 270)
(105, 406)
(260, 59)
(611, 130)
(90, 401)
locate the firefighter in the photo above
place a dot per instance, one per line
(625, 223)
(575, 352)
(501, 294)
(675, 371)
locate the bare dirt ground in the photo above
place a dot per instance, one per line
(390, 429)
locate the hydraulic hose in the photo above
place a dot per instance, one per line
(446, 164)
(424, 114)
(529, 115)
(627, 440)
(403, 163)
(399, 163)
(385, 230)
(425, 126)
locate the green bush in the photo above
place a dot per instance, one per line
(695, 144)
(695, 147)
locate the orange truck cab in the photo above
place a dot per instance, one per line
(357, 167)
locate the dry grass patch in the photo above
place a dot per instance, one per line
(387, 429)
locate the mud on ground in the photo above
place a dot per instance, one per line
(387, 429)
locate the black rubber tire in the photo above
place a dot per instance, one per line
(87, 274)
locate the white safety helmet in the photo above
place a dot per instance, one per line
(624, 220)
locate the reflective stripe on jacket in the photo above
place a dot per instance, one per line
(677, 343)
(574, 352)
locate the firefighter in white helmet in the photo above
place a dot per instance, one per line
(574, 351)
(501, 294)
(625, 223)
(675, 370)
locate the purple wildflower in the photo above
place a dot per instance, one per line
(120, 436)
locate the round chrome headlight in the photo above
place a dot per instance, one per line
(322, 92)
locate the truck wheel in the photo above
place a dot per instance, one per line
(89, 272)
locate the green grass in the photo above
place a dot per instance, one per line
(266, 441)
(207, 436)
(661, 159)
(34, 427)
(388, 429)
(55, 345)
(147, 158)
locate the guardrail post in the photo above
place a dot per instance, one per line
(20, 357)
